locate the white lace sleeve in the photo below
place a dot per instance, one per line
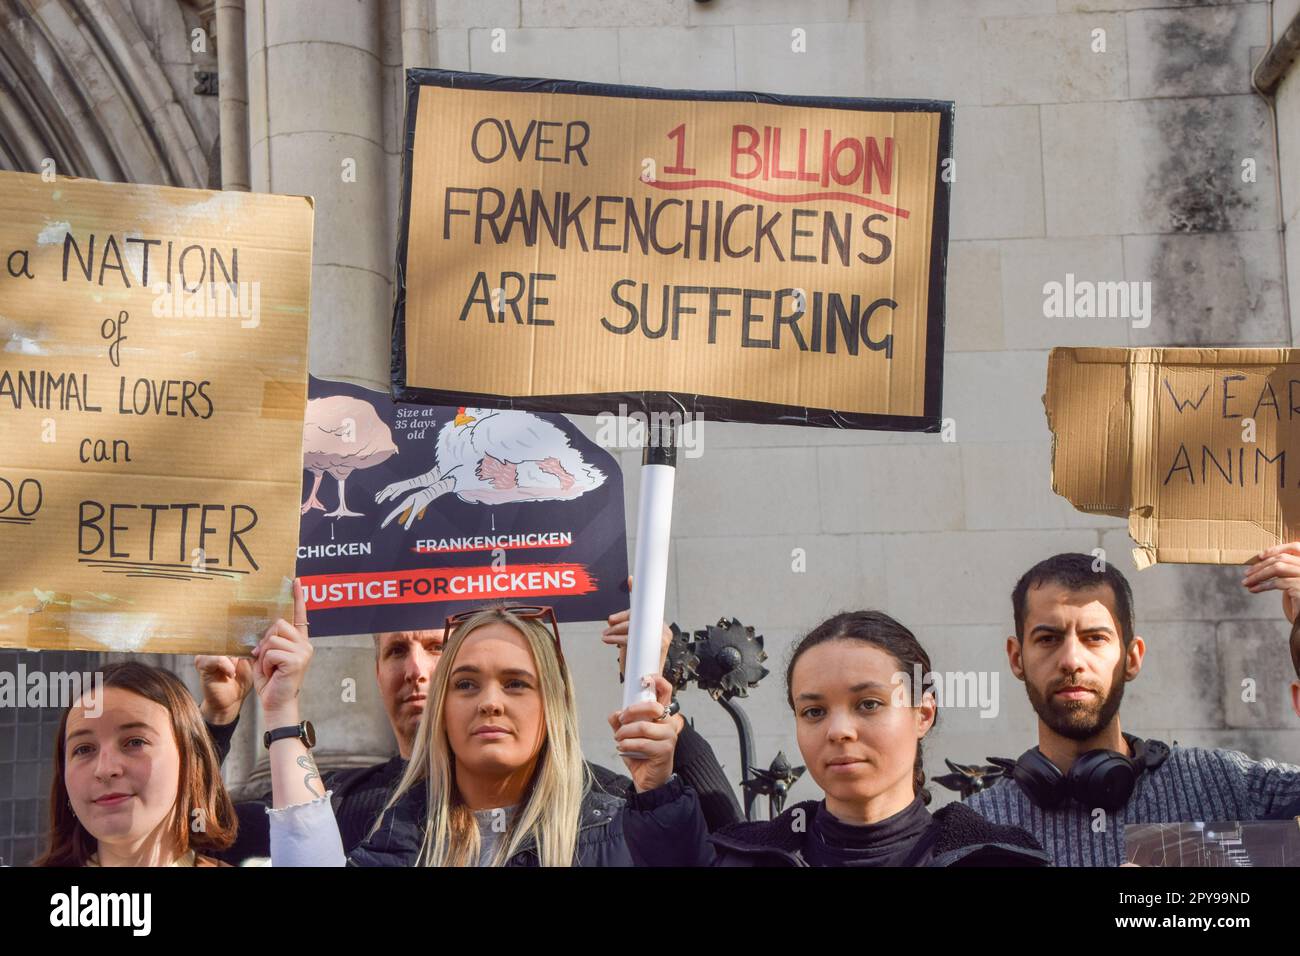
(306, 834)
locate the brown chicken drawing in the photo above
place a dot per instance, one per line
(339, 435)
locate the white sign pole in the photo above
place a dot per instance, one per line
(650, 567)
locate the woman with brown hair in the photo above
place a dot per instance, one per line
(136, 778)
(862, 692)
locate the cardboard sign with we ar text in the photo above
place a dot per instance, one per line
(1198, 448)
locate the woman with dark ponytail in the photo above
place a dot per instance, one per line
(859, 686)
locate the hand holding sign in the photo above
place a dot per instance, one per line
(226, 682)
(647, 738)
(1277, 569)
(616, 634)
(281, 661)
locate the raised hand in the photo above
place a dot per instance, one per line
(226, 681)
(617, 631)
(1277, 569)
(647, 738)
(280, 663)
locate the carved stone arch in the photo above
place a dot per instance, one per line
(105, 89)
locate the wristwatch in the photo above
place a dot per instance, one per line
(303, 731)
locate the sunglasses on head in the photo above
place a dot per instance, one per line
(527, 612)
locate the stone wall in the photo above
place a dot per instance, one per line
(1117, 165)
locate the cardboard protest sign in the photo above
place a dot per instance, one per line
(579, 247)
(412, 513)
(152, 385)
(1190, 444)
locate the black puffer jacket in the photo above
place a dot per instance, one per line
(639, 831)
(360, 794)
(957, 836)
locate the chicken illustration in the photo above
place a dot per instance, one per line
(339, 435)
(491, 457)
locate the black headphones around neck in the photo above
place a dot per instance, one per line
(1098, 778)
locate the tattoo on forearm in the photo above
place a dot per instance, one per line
(309, 765)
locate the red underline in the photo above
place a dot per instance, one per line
(774, 197)
(507, 547)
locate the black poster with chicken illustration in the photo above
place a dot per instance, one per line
(412, 513)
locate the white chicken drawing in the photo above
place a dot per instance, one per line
(492, 457)
(341, 434)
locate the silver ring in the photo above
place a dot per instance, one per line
(671, 709)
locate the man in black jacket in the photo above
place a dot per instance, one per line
(404, 665)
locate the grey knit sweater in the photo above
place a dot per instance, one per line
(1192, 785)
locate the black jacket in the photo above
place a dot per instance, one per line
(957, 836)
(697, 765)
(360, 794)
(611, 831)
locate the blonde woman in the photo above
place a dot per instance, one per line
(497, 777)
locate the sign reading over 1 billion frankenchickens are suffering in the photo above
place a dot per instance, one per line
(152, 385)
(412, 513)
(574, 247)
